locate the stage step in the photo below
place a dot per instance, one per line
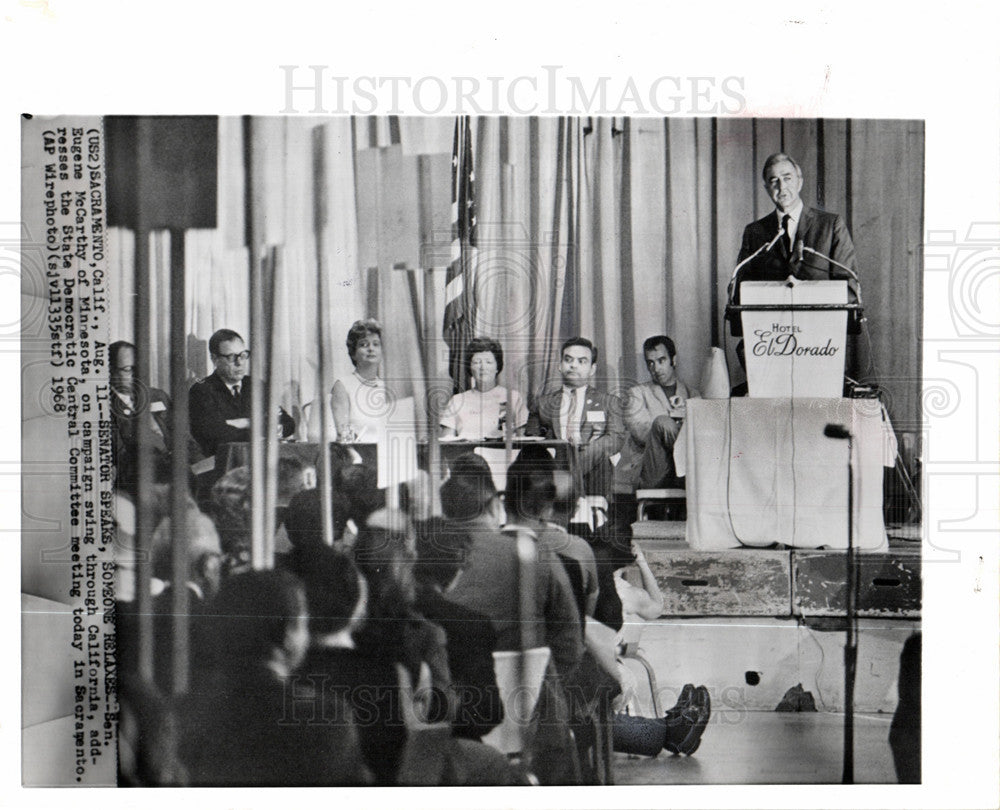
(723, 583)
(889, 584)
(806, 583)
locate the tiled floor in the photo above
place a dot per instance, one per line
(771, 748)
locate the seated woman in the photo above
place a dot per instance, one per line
(480, 412)
(358, 402)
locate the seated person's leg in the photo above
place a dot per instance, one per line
(658, 460)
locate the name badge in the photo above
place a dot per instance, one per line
(595, 416)
(157, 407)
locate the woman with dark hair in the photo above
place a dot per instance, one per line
(480, 412)
(359, 400)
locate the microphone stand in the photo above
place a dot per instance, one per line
(762, 249)
(851, 641)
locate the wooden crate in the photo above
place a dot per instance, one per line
(750, 582)
(890, 584)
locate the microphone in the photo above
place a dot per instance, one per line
(755, 254)
(835, 431)
(815, 252)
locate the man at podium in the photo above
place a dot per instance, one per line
(794, 240)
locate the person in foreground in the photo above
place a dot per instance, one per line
(242, 726)
(680, 730)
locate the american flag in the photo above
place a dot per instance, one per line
(460, 280)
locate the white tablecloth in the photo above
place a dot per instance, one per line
(760, 471)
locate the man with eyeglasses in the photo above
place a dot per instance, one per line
(219, 405)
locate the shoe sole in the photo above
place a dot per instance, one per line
(693, 739)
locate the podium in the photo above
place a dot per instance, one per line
(759, 469)
(795, 337)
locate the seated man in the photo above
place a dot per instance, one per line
(219, 405)
(130, 404)
(653, 418)
(583, 416)
(204, 555)
(441, 552)
(489, 581)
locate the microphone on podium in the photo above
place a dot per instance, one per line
(843, 267)
(815, 252)
(762, 249)
(754, 255)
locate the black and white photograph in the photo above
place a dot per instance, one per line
(518, 433)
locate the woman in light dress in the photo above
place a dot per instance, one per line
(480, 412)
(360, 401)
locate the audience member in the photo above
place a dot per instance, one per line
(531, 503)
(681, 729)
(202, 582)
(338, 607)
(489, 582)
(358, 483)
(385, 551)
(471, 639)
(230, 507)
(243, 724)
(304, 527)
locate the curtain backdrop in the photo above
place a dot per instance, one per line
(615, 229)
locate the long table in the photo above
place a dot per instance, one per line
(760, 471)
(237, 454)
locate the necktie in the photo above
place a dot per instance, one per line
(236, 394)
(572, 422)
(786, 239)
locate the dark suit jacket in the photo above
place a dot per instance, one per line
(601, 435)
(125, 433)
(818, 230)
(249, 727)
(471, 642)
(211, 404)
(370, 688)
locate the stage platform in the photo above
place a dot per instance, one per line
(780, 581)
(770, 748)
(751, 624)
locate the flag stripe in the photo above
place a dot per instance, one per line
(460, 285)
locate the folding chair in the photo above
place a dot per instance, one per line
(670, 497)
(519, 698)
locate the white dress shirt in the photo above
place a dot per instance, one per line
(564, 414)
